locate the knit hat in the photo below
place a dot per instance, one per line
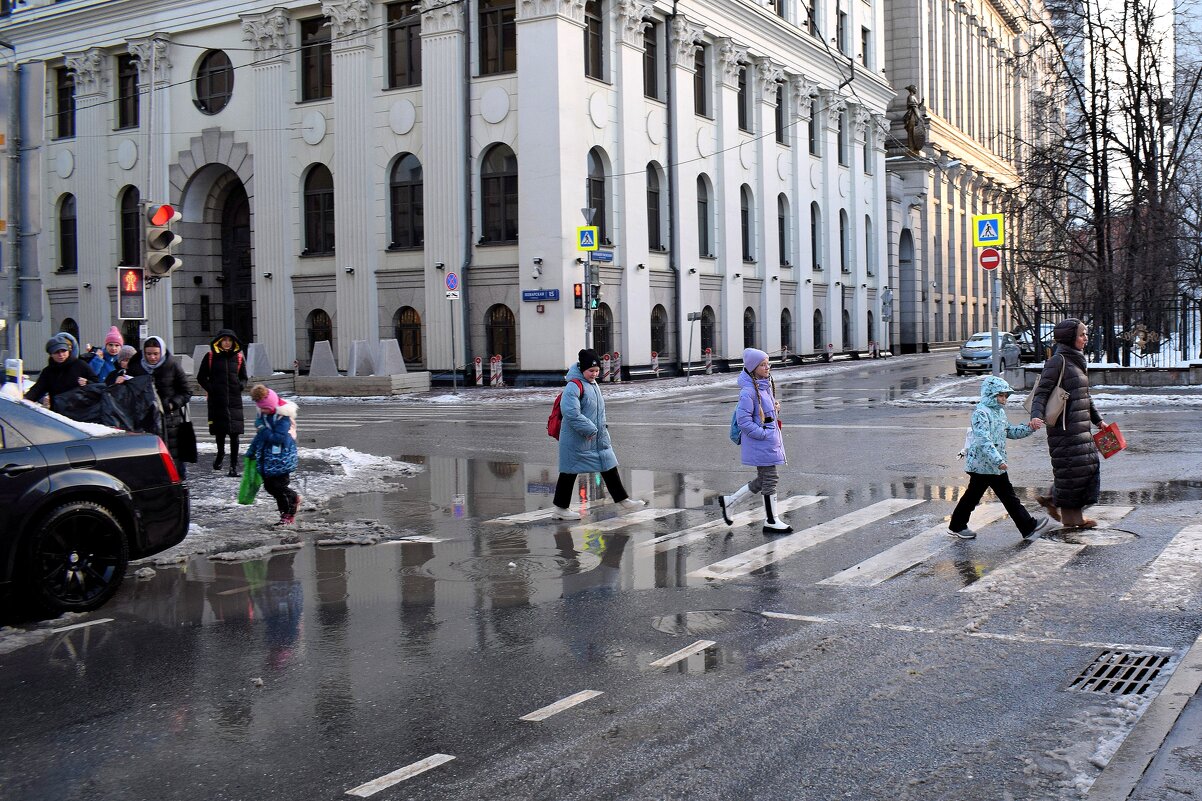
(753, 358)
(58, 342)
(114, 336)
(1066, 332)
(269, 402)
(127, 352)
(588, 358)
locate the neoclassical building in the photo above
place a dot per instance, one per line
(336, 162)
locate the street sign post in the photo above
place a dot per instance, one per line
(452, 284)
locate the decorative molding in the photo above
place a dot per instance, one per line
(771, 77)
(91, 71)
(833, 106)
(731, 58)
(686, 38)
(439, 16)
(347, 18)
(862, 120)
(633, 17)
(804, 90)
(537, 9)
(267, 32)
(156, 46)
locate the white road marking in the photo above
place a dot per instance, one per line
(802, 618)
(615, 523)
(1172, 579)
(905, 555)
(61, 629)
(683, 653)
(408, 772)
(1037, 560)
(561, 705)
(539, 514)
(783, 547)
(1107, 516)
(416, 538)
(692, 534)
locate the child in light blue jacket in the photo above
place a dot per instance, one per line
(986, 462)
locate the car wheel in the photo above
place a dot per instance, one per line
(77, 557)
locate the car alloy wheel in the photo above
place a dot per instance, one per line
(77, 557)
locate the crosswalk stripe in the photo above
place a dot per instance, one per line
(561, 705)
(615, 523)
(667, 542)
(1107, 516)
(1173, 577)
(683, 653)
(783, 547)
(408, 772)
(75, 626)
(905, 555)
(539, 514)
(1037, 560)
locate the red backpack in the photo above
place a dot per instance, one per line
(555, 421)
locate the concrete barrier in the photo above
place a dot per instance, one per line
(362, 386)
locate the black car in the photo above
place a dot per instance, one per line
(75, 507)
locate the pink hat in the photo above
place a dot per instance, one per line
(114, 336)
(270, 402)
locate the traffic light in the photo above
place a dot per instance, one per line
(160, 239)
(594, 279)
(594, 297)
(578, 295)
(131, 293)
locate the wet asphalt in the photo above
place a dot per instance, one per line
(312, 672)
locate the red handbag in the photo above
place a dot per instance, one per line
(1109, 440)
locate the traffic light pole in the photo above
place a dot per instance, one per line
(588, 299)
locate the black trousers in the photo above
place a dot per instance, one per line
(285, 497)
(1001, 486)
(567, 483)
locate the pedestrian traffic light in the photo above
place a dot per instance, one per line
(131, 293)
(594, 297)
(578, 295)
(160, 239)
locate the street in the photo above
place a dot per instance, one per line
(434, 617)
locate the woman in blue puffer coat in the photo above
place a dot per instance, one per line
(986, 462)
(762, 445)
(584, 445)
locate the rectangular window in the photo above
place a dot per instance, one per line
(842, 138)
(868, 149)
(594, 41)
(651, 61)
(841, 33)
(780, 116)
(404, 38)
(316, 62)
(64, 104)
(813, 126)
(866, 48)
(811, 19)
(127, 92)
(780, 8)
(701, 84)
(498, 37)
(744, 101)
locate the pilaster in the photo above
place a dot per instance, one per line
(682, 49)
(802, 91)
(835, 177)
(767, 247)
(728, 246)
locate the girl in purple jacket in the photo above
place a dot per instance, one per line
(761, 442)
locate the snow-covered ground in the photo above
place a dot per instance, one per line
(957, 392)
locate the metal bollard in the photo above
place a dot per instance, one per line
(615, 375)
(479, 372)
(498, 377)
(655, 363)
(605, 367)
(709, 361)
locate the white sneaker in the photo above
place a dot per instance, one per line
(632, 503)
(564, 514)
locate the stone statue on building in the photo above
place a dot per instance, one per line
(915, 120)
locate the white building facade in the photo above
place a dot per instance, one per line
(335, 162)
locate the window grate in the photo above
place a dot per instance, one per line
(1120, 673)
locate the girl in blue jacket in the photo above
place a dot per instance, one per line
(274, 449)
(762, 445)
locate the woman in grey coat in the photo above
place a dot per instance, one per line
(1076, 468)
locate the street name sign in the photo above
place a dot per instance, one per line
(603, 255)
(536, 295)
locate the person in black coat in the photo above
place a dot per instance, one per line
(171, 383)
(1076, 468)
(63, 372)
(222, 374)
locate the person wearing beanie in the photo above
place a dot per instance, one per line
(584, 444)
(63, 372)
(121, 374)
(759, 435)
(171, 384)
(104, 362)
(986, 462)
(274, 450)
(1076, 468)
(222, 375)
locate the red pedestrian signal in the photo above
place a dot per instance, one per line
(131, 293)
(578, 295)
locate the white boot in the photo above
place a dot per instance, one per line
(632, 503)
(560, 513)
(727, 502)
(772, 522)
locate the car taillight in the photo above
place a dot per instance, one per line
(168, 462)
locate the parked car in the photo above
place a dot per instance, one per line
(1028, 348)
(976, 355)
(77, 502)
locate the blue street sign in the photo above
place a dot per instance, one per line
(452, 282)
(535, 295)
(602, 255)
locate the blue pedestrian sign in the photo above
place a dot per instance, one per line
(988, 229)
(586, 237)
(452, 282)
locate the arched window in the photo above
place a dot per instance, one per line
(319, 211)
(708, 332)
(499, 195)
(846, 329)
(659, 330)
(407, 324)
(214, 82)
(603, 329)
(68, 250)
(131, 227)
(405, 191)
(705, 218)
(498, 36)
(819, 331)
(747, 222)
(598, 192)
(655, 234)
(744, 99)
(786, 329)
(815, 236)
(320, 328)
(594, 40)
(844, 243)
(869, 247)
(71, 327)
(749, 327)
(501, 333)
(783, 238)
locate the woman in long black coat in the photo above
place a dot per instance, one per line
(222, 374)
(1076, 468)
(171, 383)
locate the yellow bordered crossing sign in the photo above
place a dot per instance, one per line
(988, 229)
(586, 237)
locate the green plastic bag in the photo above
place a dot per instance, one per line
(251, 481)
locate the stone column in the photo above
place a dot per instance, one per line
(767, 247)
(731, 58)
(803, 92)
(275, 250)
(682, 51)
(357, 248)
(832, 202)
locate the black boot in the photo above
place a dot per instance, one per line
(233, 473)
(220, 458)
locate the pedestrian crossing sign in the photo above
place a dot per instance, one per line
(586, 237)
(988, 229)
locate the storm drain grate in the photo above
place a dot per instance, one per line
(1120, 673)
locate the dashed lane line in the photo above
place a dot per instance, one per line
(783, 547)
(1036, 561)
(905, 555)
(1172, 579)
(560, 705)
(408, 772)
(683, 653)
(667, 542)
